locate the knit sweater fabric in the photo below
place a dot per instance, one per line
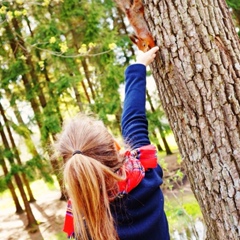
(139, 215)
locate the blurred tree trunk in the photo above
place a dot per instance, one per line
(159, 126)
(120, 25)
(10, 185)
(78, 98)
(87, 75)
(16, 155)
(29, 83)
(31, 219)
(27, 133)
(197, 72)
(33, 75)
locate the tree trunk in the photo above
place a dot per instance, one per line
(28, 87)
(78, 98)
(49, 89)
(27, 133)
(86, 72)
(56, 165)
(120, 25)
(197, 72)
(159, 126)
(165, 143)
(10, 185)
(159, 147)
(27, 84)
(17, 156)
(87, 75)
(31, 219)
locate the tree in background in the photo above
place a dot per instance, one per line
(197, 73)
(15, 173)
(9, 183)
(235, 7)
(51, 68)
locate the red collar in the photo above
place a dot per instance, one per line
(137, 161)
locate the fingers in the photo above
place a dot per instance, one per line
(152, 53)
(147, 57)
(153, 50)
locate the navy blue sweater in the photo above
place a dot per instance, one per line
(139, 215)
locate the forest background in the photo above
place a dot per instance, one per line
(59, 58)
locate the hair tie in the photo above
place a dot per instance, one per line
(76, 152)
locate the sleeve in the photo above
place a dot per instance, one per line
(134, 122)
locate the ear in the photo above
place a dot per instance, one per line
(141, 44)
(134, 39)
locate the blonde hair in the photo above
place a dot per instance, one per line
(90, 176)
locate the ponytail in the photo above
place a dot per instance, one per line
(90, 176)
(87, 187)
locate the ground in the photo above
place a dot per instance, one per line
(49, 212)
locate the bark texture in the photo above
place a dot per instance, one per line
(197, 72)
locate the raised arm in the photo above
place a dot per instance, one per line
(134, 121)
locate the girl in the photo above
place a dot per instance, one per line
(114, 195)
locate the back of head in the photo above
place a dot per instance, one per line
(89, 175)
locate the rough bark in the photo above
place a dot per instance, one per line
(197, 72)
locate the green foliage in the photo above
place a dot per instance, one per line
(15, 168)
(181, 207)
(73, 8)
(38, 167)
(42, 54)
(59, 236)
(43, 35)
(182, 213)
(50, 122)
(12, 73)
(6, 153)
(158, 120)
(235, 4)
(20, 129)
(62, 84)
(3, 184)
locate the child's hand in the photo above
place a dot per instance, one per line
(147, 57)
